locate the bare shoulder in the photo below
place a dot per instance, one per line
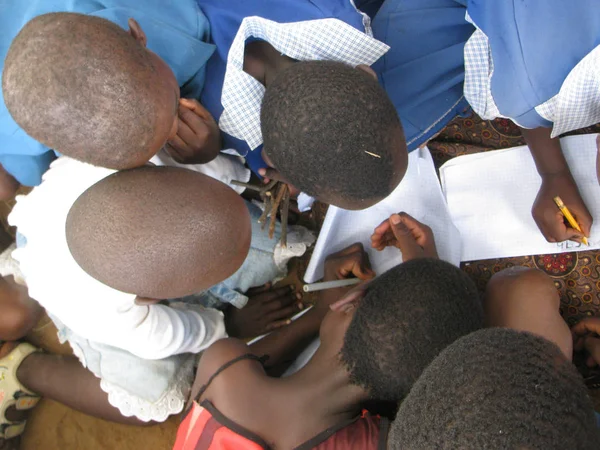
(214, 357)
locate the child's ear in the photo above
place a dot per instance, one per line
(136, 31)
(367, 70)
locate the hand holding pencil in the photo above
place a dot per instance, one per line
(569, 217)
(549, 218)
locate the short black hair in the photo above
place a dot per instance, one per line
(159, 232)
(408, 315)
(330, 128)
(83, 86)
(497, 388)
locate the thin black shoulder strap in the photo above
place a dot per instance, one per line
(226, 366)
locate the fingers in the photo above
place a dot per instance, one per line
(406, 241)
(555, 230)
(191, 128)
(260, 289)
(196, 107)
(283, 313)
(270, 174)
(585, 326)
(354, 261)
(177, 149)
(592, 346)
(382, 236)
(356, 247)
(584, 219)
(278, 324)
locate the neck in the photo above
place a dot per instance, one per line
(263, 61)
(323, 387)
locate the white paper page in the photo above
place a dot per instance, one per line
(490, 196)
(419, 194)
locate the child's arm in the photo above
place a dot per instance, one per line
(285, 344)
(154, 331)
(556, 180)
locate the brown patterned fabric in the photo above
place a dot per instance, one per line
(576, 275)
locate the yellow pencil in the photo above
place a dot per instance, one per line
(569, 217)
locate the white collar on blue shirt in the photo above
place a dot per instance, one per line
(323, 39)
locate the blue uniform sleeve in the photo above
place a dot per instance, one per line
(534, 45)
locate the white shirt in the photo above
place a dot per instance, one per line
(88, 307)
(323, 39)
(577, 104)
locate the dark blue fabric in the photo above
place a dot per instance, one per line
(175, 31)
(225, 17)
(423, 73)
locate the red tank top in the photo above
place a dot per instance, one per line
(206, 428)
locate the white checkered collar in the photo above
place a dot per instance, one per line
(323, 39)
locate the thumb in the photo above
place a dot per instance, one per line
(406, 241)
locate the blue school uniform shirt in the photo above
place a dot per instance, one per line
(176, 30)
(423, 73)
(536, 62)
(225, 18)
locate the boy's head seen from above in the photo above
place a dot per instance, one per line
(497, 388)
(405, 318)
(159, 232)
(90, 90)
(331, 130)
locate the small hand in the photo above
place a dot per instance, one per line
(414, 239)
(198, 139)
(269, 174)
(586, 337)
(548, 217)
(351, 261)
(267, 309)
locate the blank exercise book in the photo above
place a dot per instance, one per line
(481, 210)
(419, 194)
(490, 196)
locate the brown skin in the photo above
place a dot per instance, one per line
(267, 309)
(586, 336)
(556, 180)
(411, 237)
(20, 313)
(526, 300)
(320, 394)
(263, 62)
(8, 185)
(184, 127)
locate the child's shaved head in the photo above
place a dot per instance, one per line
(85, 87)
(497, 388)
(159, 232)
(408, 315)
(331, 130)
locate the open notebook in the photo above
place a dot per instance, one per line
(480, 210)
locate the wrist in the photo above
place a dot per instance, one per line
(555, 174)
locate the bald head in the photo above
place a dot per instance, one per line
(85, 87)
(159, 232)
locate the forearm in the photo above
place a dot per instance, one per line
(285, 344)
(546, 151)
